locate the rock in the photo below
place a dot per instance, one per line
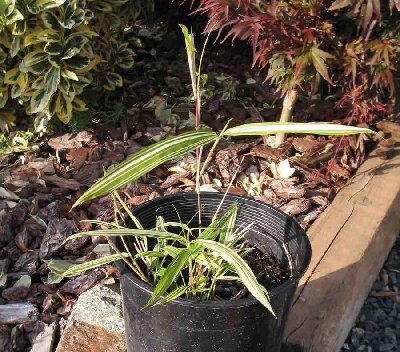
(95, 324)
(43, 342)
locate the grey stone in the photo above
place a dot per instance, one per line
(96, 323)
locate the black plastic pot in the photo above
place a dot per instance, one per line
(242, 325)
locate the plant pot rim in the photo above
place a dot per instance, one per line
(222, 304)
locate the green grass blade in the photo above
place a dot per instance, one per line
(128, 232)
(242, 269)
(178, 292)
(229, 226)
(128, 211)
(214, 229)
(265, 128)
(150, 254)
(101, 223)
(171, 273)
(147, 159)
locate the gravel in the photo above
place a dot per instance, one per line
(377, 328)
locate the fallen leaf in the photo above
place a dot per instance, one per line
(70, 140)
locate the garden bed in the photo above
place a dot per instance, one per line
(40, 184)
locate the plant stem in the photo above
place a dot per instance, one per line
(209, 156)
(287, 112)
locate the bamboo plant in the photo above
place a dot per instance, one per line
(183, 261)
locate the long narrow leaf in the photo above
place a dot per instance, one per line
(213, 230)
(265, 128)
(179, 291)
(63, 268)
(146, 160)
(171, 273)
(128, 232)
(229, 227)
(241, 268)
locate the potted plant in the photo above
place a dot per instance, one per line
(201, 271)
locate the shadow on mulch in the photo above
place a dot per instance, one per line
(289, 347)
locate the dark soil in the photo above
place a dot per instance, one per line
(267, 268)
(269, 272)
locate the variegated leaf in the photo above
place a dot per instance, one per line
(146, 160)
(266, 128)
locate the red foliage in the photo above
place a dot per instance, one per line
(271, 27)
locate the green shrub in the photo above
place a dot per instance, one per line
(50, 50)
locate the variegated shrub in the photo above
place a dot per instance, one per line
(50, 50)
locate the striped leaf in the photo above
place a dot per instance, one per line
(63, 268)
(146, 160)
(265, 128)
(241, 268)
(113, 232)
(170, 275)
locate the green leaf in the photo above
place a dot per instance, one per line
(6, 7)
(170, 275)
(266, 128)
(12, 75)
(146, 160)
(52, 79)
(127, 232)
(37, 6)
(178, 292)
(318, 58)
(34, 58)
(69, 74)
(214, 229)
(53, 49)
(19, 27)
(241, 268)
(14, 17)
(77, 62)
(73, 45)
(16, 45)
(228, 228)
(39, 68)
(39, 101)
(188, 38)
(51, 21)
(114, 79)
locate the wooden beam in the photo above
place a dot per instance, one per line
(350, 242)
